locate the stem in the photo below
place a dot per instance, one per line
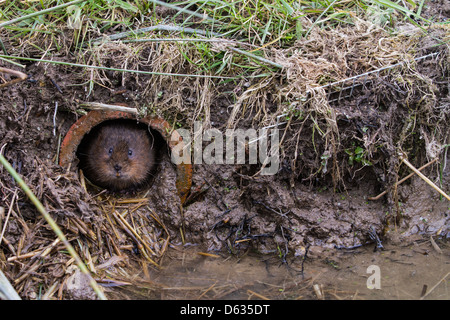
(115, 69)
(159, 27)
(52, 224)
(435, 187)
(7, 23)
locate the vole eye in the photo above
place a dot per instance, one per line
(110, 151)
(130, 152)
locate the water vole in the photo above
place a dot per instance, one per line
(119, 156)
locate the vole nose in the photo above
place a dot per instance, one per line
(117, 167)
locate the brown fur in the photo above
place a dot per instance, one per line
(120, 157)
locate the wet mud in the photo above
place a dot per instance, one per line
(311, 231)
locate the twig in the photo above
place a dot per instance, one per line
(109, 107)
(206, 254)
(253, 293)
(112, 225)
(318, 289)
(41, 253)
(284, 215)
(138, 237)
(34, 14)
(52, 224)
(119, 70)
(7, 216)
(20, 76)
(24, 256)
(403, 180)
(51, 291)
(54, 118)
(434, 287)
(212, 286)
(138, 240)
(435, 246)
(435, 187)
(30, 270)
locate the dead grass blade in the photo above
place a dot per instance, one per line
(420, 174)
(52, 224)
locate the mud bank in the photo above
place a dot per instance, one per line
(342, 130)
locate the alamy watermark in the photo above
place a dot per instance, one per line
(234, 146)
(374, 280)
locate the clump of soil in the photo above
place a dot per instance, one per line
(336, 152)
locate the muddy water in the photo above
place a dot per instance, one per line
(410, 266)
(413, 271)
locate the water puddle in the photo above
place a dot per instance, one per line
(408, 272)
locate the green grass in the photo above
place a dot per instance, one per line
(274, 22)
(256, 25)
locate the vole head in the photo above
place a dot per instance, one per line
(120, 157)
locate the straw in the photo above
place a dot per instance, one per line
(420, 174)
(52, 224)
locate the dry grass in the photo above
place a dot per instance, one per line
(236, 90)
